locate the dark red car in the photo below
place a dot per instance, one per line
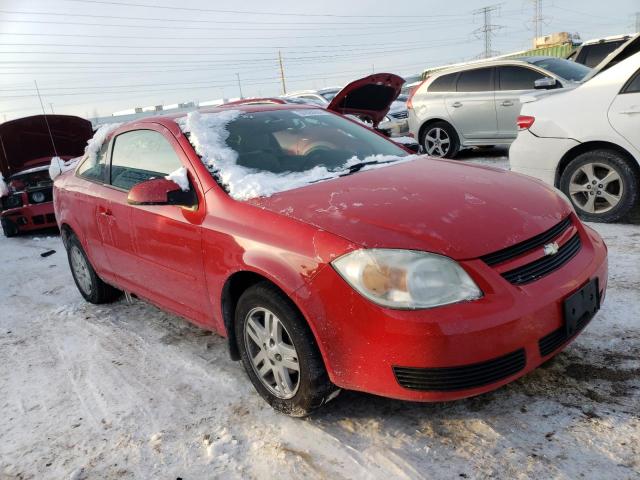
(26, 148)
(329, 256)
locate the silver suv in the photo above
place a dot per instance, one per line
(478, 104)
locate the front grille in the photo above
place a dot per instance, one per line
(545, 265)
(37, 219)
(446, 379)
(523, 247)
(550, 343)
(399, 115)
(51, 218)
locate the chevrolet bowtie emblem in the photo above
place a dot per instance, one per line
(551, 248)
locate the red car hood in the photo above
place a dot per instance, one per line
(370, 96)
(459, 210)
(25, 143)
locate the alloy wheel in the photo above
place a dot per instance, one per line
(596, 188)
(272, 354)
(81, 270)
(437, 142)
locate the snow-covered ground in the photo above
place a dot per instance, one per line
(127, 391)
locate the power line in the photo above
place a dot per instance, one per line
(254, 12)
(488, 28)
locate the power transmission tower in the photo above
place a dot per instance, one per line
(537, 19)
(487, 28)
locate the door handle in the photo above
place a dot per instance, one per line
(507, 103)
(456, 104)
(632, 109)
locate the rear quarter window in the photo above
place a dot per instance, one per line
(445, 83)
(633, 85)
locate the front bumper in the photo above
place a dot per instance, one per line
(362, 343)
(31, 217)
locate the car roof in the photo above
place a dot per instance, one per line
(318, 91)
(490, 63)
(171, 119)
(611, 38)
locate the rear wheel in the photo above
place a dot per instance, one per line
(279, 352)
(91, 287)
(601, 185)
(440, 140)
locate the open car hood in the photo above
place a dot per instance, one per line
(25, 143)
(369, 97)
(624, 51)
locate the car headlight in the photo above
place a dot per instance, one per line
(14, 201)
(406, 279)
(37, 197)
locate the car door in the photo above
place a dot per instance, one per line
(471, 107)
(624, 112)
(163, 258)
(512, 81)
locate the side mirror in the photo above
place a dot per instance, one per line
(546, 83)
(160, 191)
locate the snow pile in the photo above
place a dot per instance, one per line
(59, 166)
(4, 189)
(404, 140)
(180, 177)
(208, 133)
(95, 144)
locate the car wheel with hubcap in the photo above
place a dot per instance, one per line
(440, 140)
(601, 185)
(91, 287)
(279, 352)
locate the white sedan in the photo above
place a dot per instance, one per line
(586, 141)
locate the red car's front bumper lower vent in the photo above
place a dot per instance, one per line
(447, 379)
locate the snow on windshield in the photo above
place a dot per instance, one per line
(208, 133)
(4, 189)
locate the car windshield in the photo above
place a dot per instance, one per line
(566, 69)
(329, 95)
(259, 153)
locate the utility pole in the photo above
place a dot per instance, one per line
(487, 28)
(239, 85)
(284, 85)
(51, 107)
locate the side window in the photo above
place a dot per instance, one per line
(517, 78)
(141, 155)
(445, 83)
(478, 80)
(633, 86)
(95, 168)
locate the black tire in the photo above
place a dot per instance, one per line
(431, 131)
(9, 228)
(314, 387)
(626, 187)
(96, 290)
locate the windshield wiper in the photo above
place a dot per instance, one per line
(356, 167)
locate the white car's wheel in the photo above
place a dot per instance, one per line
(601, 185)
(440, 140)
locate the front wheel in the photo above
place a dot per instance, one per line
(91, 287)
(279, 352)
(601, 185)
(440, 140)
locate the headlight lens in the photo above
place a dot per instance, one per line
(406, 279)
(37, 197)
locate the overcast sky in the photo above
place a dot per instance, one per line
(99, 56)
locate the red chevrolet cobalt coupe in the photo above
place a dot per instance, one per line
(329, 256)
